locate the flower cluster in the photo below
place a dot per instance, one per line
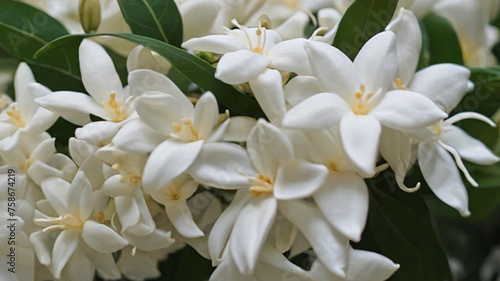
(151, 169)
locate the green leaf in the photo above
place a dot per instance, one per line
(485, 98)
(158, 19)
(403, 229)
(362, 20)
(195, 69)
(25, 29)
(444, 46)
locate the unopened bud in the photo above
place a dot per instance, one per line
(90, 15)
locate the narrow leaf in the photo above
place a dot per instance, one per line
(158, 19)
(443, 41)
(25, 29)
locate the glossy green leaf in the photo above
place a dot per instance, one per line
(485, 98)
(195, 69)
(158, 19)
(403, 229)
(362, 20)
(443, 41)
(25, 29)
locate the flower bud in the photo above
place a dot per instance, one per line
(90, 15)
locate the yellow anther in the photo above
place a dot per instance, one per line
(398, 82)
(16, 117)
(362, 87)
(173, 193)
(358, 95)
(187, 121)
(193, 100)
(112, 100)
(115, 167)
(265, 21)
(262, 184)
(258, 32)
(100, 217)
(177, 127)
(333, 167)
(369, 96)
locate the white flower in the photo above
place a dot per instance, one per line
(24, 115)
(438, 167)
(247, 52)
(126, 189)
(83, 243)
(108, 99)
(143, 58)
(270, 178)
(358, 99)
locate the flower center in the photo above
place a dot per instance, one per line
(363, 102)
(260, 184)
(400, 85)
(261, 37)
(173, 192)
(117, 111)
(333, 167)
(61, 223)
(185, 131)
(128, 177)
(437, 128)
(15, 117)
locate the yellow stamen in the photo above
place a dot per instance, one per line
(100, 217)
(15, 117)
(261, 184)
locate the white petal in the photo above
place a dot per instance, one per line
(41, 246)
(377, 62)
(275, 266)
(360, 138)
(135, 136)
(440, 172)
(128, 211)
(219, 44)
(250, 232)
(79, 265)
(240, 67)
(334, 70)
(206, 115)
(56, 190)
(102, 238)
(71, 105)
(144, 80)
(396, 149)
(99, 75)
(180, 216)
(222, 165)
(24, 98)
(105, 264)
(300, 88)
(329, 245)
(343, 199)
(407, 111)
(268, 147)
(408, 42)
(160, 111)
(64, 247)
(80, 197)
(298, 179)
(222, 228)
(268, 90)
(469, 148)
(369, 266)
(318, 112)
(168, 161)
(158, 239)
(445, 84)
(238, 129)
(290, 56)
